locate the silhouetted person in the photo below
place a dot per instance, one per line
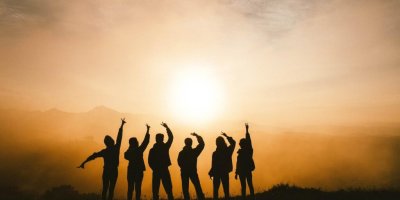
(222, 164)
(245, 164)
(110, 156)
(187, 160)
(159, 162)
(136, 164)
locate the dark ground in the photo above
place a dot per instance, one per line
(277, 192)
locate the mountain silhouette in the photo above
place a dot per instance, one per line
(102, 110)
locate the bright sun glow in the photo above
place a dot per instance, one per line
(196, 95)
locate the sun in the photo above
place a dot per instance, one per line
(195, 95)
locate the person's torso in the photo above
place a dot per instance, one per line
(188, 160)
(136, 159)
(222, 161)
(245, 162)
(111, 157)
(160, 156)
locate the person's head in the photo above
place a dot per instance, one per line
(108, 141)
(159, 138)
(133, 142)
(220, 142)
(188, 142)
(243, 143)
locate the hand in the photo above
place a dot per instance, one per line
(81, 166)
(164, 124)
(224, 134)
(247, 126)
(123, 120)
(194, 134)
(147, 126)
(236, 175)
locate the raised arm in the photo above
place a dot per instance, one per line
(232, 143)
(90, 158)
(146, 139)
(119, 137)
(170, 135)
(199, 148)
(248, 138)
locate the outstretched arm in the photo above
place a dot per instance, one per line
(119, 137)
(170, 135)
(90, 158)
(146, 139)
(199, 148)
(232, 143)
(248, 138)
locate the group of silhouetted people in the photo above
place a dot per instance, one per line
(159, 161)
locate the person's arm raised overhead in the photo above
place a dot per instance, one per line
(232, 143)
(90, 158)
(146, 139)
(248, 138)
(119, 136)
(199, 148)
(170, 135)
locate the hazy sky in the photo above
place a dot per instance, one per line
(281, 61)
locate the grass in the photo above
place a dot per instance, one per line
(277, 192)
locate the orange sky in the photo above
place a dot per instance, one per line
(286, 62)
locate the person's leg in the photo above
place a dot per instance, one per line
(216, 183)
(138, 184)
(185, 185)
(196, 182)
(250, 183)
(167, 183)
(113, 181)
(106, 183)
(131, 182)
(225, 184)
(156, 184)
(242, 178)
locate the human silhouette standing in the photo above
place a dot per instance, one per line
(110, 156)
(222, 165)
(159, 161)
(187, 160)
(136, 166)
(245, 164)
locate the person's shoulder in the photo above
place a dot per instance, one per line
(151, 151)
(101, 152)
